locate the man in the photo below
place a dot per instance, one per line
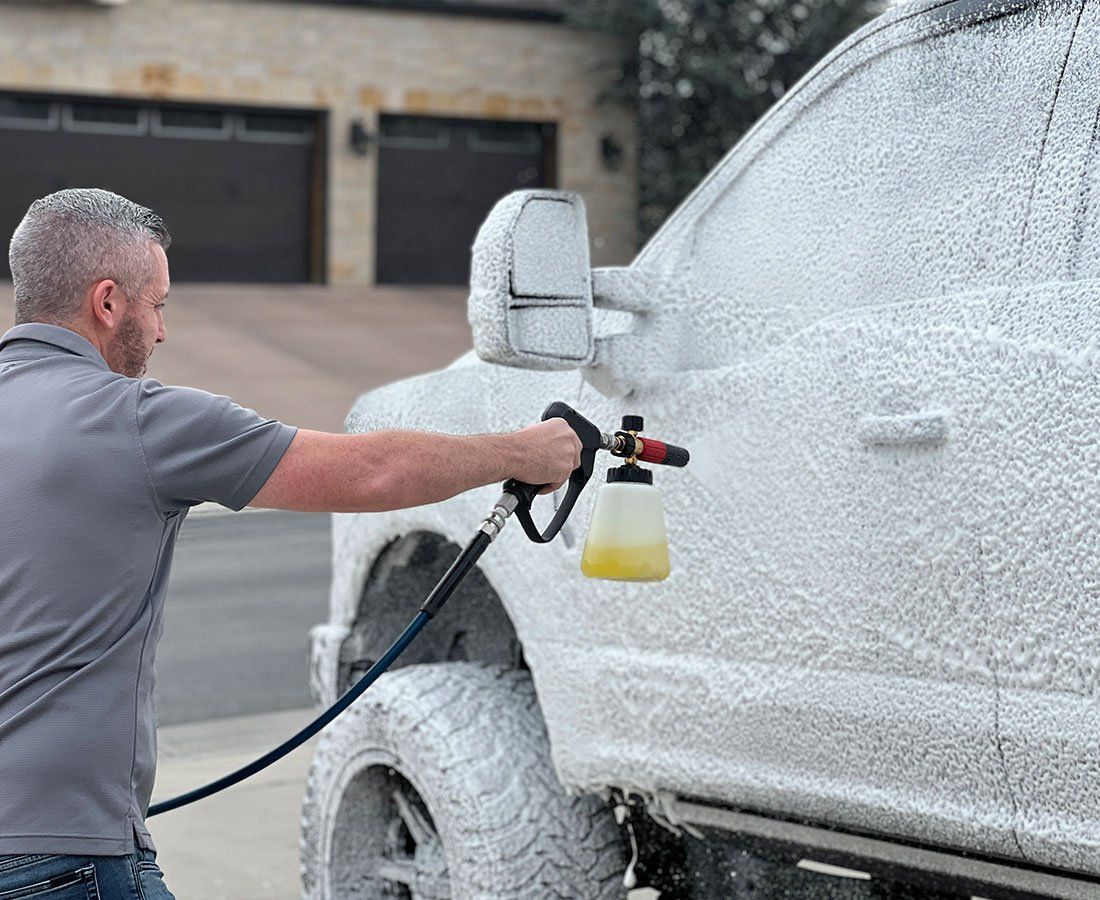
(98, 468)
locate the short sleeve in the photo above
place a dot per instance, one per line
(200, 446)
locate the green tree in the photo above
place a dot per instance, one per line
(700, 72)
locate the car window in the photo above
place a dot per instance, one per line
(903, 168)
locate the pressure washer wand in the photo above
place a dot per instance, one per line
(490, 528)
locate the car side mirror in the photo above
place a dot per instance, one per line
(530, 283)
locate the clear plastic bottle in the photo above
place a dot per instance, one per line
(626, 537)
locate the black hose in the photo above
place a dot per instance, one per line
(439, 595)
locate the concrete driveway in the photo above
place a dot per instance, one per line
(301, 353)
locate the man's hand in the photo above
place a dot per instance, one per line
(550, 451)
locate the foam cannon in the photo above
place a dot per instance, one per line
(627, 540)
(626, 536)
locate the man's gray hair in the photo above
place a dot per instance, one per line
(71, 239)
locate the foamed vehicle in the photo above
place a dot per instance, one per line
(876, 658)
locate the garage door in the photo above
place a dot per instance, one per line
(236, 186)
(437, 180)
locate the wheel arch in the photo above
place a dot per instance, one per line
(475, 626)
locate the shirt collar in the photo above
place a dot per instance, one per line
(56, 336)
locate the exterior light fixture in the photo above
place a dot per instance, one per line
(359, 139)
(611, 151)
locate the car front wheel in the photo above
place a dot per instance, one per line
(437, 785)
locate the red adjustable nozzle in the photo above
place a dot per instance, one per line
(649, 450)
(662, 454)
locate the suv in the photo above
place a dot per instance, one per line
(874, 667)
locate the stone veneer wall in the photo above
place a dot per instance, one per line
(355, 62)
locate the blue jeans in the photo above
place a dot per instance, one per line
(51, 877)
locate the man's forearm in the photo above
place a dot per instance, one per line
(422, 467)
(383, 470)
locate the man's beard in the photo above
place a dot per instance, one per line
(126, 352)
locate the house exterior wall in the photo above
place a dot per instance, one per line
(354, 63)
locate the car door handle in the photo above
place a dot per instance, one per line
(928, 427)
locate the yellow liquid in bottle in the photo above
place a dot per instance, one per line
(642, 563)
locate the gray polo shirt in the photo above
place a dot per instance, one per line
(97, 473)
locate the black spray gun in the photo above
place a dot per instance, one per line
(626, 541)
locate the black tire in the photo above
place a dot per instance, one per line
(440, 778)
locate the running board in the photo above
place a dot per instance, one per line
(885, 859)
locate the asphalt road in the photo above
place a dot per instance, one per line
(244, 591)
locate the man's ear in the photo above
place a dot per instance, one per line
(107, 302)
